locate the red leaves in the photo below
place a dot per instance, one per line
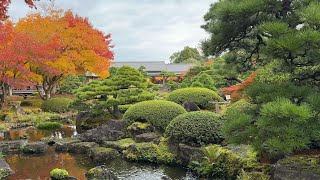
(236, 90)
(4, 5)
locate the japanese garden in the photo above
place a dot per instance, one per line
(244, 104)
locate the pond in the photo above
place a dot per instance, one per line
(39, 166)
(35, 134)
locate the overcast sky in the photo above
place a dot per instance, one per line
(149, 30)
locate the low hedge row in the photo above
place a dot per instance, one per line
(57, 105)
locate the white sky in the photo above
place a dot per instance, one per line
(148, 30)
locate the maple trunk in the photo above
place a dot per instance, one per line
(48, 85)
(3, 95)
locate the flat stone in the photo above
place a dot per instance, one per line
(35, 147)
(64, 144)
(100, 172)
(12, 146)
(5, 169)
(189, 153)
(102, 154)
(111, 131)
(147, 137)
(82, 147)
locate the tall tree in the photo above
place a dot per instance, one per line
(187, 55)
(257, 31)
(14, 72)
(70, 46)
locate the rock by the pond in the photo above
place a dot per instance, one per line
(12, 146)
(100, 172)
(35, 147)
(137, 128)
(82, 147)
(148, 137)
(63, 144)
(165, 178)
(119, 145)
(298, 167)
(101, 154)
(189, 153)
(111, 131)
(191, 106)
(5, 169)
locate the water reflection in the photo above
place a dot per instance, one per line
(39, 166)
(34, 134)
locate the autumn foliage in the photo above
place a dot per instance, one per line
(68, 44)
(43, 49)
(236, 91)
(4, 5)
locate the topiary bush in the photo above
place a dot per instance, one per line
(159, 113)
(59, 174)
(196, 128)
(58, 105)
(201, 96)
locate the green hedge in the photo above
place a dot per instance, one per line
(49, 125)
(58, 105)
(201, 96)
(196, 128)
(32, 103)
(157, 112)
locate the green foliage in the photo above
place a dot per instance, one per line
(151, 152)
(204, 80)
(127, 86)
(70, 83)
(187, 55)
(124, 108)
(159, 113)
(59, 174)
(49, 125)
(222, 163)
(58, 105)
(201, 96)
(197, 128)
(38, 117)
(239, 117)
(121, 144)
(31, 103)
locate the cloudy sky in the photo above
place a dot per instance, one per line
(148, 30)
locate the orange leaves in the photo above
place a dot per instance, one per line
(68, 44)
(237, 90)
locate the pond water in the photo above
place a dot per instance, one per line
(39, 166)
(35, 134)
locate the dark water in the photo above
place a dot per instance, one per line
(35, 134)
(39, 166)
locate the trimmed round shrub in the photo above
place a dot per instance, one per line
(196, 128)
(203, 97)
(159, 113)
(57, 105)
(59, 174)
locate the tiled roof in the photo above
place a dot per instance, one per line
(154, 66)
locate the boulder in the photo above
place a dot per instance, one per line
(148, 137)
(35, 147)
(191, 106)
(63, 144)
(189, 154)
(119, 145)
(100, 172)
(101, 154)
(298, 167)
(111, 131)
(12, 146)
(165, 178)
(137, 128)
(5, 169)
(82, 147)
